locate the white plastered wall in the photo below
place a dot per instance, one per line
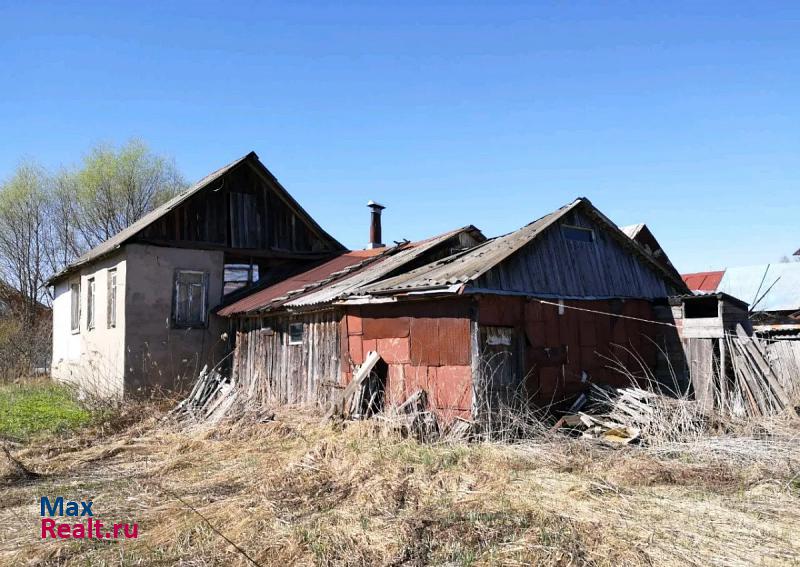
(93, 359)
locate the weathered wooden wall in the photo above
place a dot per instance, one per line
(554, 265)
(784, 356)
(426, 345)
(244, 213)
(275, 371)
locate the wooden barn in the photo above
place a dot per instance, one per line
(535, 313)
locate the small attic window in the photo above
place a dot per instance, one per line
(295, 333)
(577, 233)
(700, 308)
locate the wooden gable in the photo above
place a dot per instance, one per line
(247, 210)
(578, 257)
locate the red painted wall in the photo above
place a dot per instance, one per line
(585, 339)
(426, 345)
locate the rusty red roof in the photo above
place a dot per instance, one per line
(300, 281)
(703, 281)
(342, 275)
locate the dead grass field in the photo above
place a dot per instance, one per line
(294, 492)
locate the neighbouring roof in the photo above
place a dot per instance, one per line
(632, 230)
(116, 241)
(340, 277)
(469, 265)
(641, 234)
(703, 281)
(767, 287)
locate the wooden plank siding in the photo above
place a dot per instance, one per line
(275, 371)
(245, 212)
(554, 265)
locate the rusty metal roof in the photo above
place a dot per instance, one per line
(469, 265)
(703, 281)
(343, 276)
(279, 293)
(113, 243)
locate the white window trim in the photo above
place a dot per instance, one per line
(75, 329)
(91, 303)
(111, 299)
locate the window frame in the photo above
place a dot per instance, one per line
(111, 299)
(75, 307)
(567, 228)
(302, 338)
(176, 324)
(91, 303)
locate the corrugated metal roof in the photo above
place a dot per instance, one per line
(126, 234)
(779, 284)
(703, 281)
(281, 292)
(471, 264)
(326, 284)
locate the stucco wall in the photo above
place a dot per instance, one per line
(157, 354)
(91, 358)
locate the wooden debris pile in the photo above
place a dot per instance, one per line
(627, 415)
(359, 397)
(211, 397)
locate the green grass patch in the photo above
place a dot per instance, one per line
(29, 410)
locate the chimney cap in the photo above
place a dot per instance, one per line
(373, 205)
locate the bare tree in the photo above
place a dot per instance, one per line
(25, 233)
(113, 188)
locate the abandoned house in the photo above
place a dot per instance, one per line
(234, 265)
(536, 313)
(136, 311)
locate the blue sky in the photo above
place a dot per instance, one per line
(683, 116)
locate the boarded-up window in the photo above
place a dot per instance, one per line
(190, 298)
(111, 310)
(75, 304)
(90, 295)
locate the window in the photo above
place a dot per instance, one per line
(700, 307)
(577, 233)
(190, 298)
(90, 304)
(238, 276)
(295, 333)
(111, 311)
(75, 299)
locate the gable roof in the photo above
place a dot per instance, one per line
(469, 265)
(340, 277)
(122, 237)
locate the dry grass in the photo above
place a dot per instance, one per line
(295, 492)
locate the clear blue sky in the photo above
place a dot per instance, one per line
(683, 116)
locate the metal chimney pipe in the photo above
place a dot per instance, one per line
(375, 225)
